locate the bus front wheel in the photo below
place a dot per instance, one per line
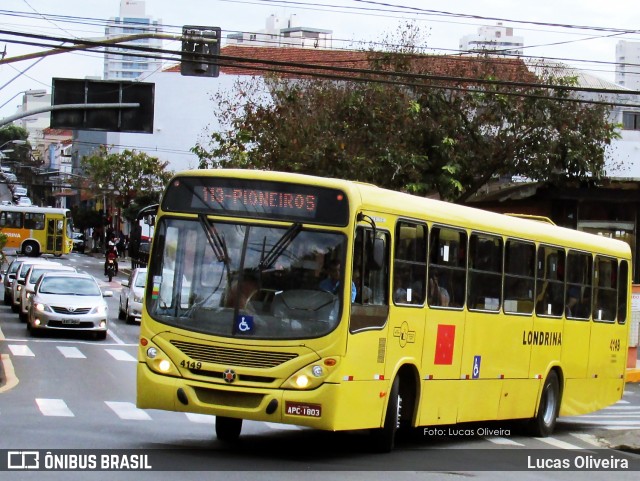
(30, 249)
(384, 438)
(228, 429)
(545, 421)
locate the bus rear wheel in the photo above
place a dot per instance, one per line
(228, 429)
(30, 249)
(543, 424)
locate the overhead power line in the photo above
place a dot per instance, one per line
(310, 69)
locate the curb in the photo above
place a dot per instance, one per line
(633, 375)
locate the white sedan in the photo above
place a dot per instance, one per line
(131, 295)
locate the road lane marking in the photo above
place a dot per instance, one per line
(588, 438)
(201, 418)
(115, 338)
(71, 352)
(9, 373)
(21, 350)
(54, 407)
(502, 441)
(128, 411)
(284, 427)
(558, 444)
(120, 355)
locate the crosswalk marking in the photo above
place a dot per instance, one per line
(71, 352)
(201, 418)
(128, 411)
(54, 407)
(502, 441)
(587, 438)
(558, 443)
(21, 350)
(120, 355)
(283, 427)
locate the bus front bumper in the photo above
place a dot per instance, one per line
(328, 407)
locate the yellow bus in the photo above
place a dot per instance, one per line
(37, 230)
(339, 305)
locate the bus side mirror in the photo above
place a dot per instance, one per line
(376, 260)
(150, 220)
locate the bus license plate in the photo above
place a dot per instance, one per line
(72, 322)
(300, 409)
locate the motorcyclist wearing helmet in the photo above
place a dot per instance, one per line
(111, 254)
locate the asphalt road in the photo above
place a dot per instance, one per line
(69, 392)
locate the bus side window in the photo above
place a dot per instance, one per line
(371, 306)
(485, 272)
(519, 281)
(447, 262)
(605, 289)
(3, 219)
(550, 281)
(623, 286)
(579, 285)
(410, 264)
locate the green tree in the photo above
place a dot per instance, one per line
(129, 177)
(445, 136)
(15, 152)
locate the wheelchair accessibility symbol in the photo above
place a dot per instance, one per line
(476, 367)
(244, 323)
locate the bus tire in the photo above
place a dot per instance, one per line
(31, 249)
(384, 438)
(228, 429)
(543, 424)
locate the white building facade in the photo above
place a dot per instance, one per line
(496, 40)
(281, 32)
(123, 64)
(628, 64)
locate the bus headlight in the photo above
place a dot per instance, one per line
(158, 361)
(311, 376)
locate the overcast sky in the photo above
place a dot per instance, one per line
(549, 27)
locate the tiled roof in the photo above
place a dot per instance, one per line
(441, 65)
(59, 132)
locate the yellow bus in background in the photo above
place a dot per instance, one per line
(37, 230)
(339, 305)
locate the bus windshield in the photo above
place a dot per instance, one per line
(240, 280)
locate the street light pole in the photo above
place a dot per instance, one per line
(33, 93)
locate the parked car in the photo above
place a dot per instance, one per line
(68, 301)
(26, 286)
(24, 201)
(131, 295)
(78, 241)
(19, 191)
(9, 177)
(20, 275)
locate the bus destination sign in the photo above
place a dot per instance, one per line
(257, 198)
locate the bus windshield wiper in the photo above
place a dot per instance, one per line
(279, 247)
(215, 240)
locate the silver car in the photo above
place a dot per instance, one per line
(27, 285)
(21, 272)
(68, 301)
(8, 276)
(131, 295)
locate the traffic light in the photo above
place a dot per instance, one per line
(200, 49)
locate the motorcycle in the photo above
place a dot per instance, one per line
(111, 268)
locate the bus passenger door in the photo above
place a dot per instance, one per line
(55, 231)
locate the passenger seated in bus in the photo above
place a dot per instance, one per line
(363, 293)
(406, 292)
(572, 301)
(438, 295)
(577, 307)
(332, 282)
